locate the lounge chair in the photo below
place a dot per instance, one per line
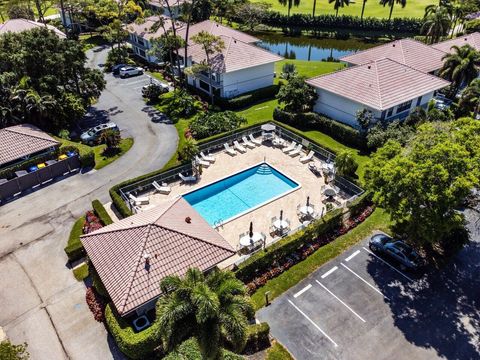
(306, 158)
(208, 158)
(239, 147)
(162, 189)
(253, 140)
(229, 150)
(143, 200)
(247, 143)
(187, 179)
(297, 151)
(202, 162)
(290, 147)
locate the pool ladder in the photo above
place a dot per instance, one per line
(217, 223)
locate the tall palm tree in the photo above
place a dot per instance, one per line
(338, 4)
(314, 7)
(436, 23)
(460, 66)
(363, 9)
(213, 309)
(470, 100)
(391, 3)
(289, 4)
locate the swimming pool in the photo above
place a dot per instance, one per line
(240, 193)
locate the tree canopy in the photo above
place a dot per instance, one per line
(44, 80)
(296, 95)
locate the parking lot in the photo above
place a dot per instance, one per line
(360, 306)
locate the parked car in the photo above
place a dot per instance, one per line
(160, 87)
(116, 68)
(130, 71)
(397, 250)
(91, 136)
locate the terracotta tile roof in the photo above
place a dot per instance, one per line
(471, 39)
(19, 141)
(19, 25)
(144, 30)
(117, 251)
(406, 51)
(237, 55)
(219, 30)
(172, 3)
(379, 84)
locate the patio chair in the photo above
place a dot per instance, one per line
(202, 162)
(187, 179)
(306, 158)
(247, 143)
(143, 200)
(290, 147)
(162, 189)
(229, 150)
(208, 158)
(239, 147)
(255, 141)
(297, 151)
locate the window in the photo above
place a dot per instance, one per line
(390, 112)
(419, 100)
(140, 41)
(404, 106)
(204, 86)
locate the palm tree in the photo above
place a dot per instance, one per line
(391, 3)
(289, 4)
(338, 4)
(470, 100)
(437, 22)
(314, 7)
(460, 66)
(189, 149)
(363, 9)
(213, 309)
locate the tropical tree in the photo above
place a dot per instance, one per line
(363, 9)
(289, 70)
(166, 48)
(213, 309)
(9, 351)
(111, 138)
(337, 4)
(289, 4)
(345, 163)
(365, 118)
(212, 123)
(460, 66)
(470, 100)
(296, 95)
(436, 23)
(391, 4)
(189, 150)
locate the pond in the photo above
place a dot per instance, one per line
(310, 48)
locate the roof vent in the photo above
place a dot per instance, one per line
(188, 219)
(393, 45)
(369, 66)
(146, 256)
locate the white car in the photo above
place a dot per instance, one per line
(130, 71)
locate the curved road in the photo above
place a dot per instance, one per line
(42, 303)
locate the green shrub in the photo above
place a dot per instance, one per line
(472, 26)
(102, 214)
(189, 350)
(74, 248)
(87, 159)
(359, 204)
(135, 345)
(341, 132)
(249, 98)
(258, 337)
(262, 260)
(212, 123)
(97, 282)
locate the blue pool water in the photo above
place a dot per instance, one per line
(239, 193)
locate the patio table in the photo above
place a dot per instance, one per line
(306, 210)
(329, 192)
(328, 167)
(247, 240)
(280, 224)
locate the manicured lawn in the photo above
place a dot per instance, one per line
(309, 68)
(89, 42)
(278, 352)
(157, 76)
(81, 272)
(379, 220)
(181, 125)
(414, 8)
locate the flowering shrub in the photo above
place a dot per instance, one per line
(96, 304)
(91, 223)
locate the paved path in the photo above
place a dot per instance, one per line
(42, 303)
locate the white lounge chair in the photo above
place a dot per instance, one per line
(208, 158)
(247, 143)
(187, 179)
(255, 141)
(202, 162)
(290, 147)
(296, 151)
(162, 189)
(306, 158)
(229, 150)
(239, 147)
(143, 200)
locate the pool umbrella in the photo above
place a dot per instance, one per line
(268, 127)
(250, 233)
(308, 201)
(281, 215)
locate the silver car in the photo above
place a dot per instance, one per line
(130, 71)
(91, 136)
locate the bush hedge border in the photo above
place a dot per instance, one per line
(100, 211)
(74, 248)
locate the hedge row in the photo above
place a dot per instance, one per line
(134, 345)
(249, 98)
(189, 350)
(341, 132)
(360, 203)
(74, 248)
(258, 337)
(263, 260)
(87, 159)
(102, 214)
(344, 22)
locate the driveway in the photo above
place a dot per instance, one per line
(42, 303)
(359, 306)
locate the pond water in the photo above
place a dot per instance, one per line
(312, 49)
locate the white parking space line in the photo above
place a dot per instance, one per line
(313, 323)
(306, 288)
(365, 281)
(353, 255)
(329, 272)
(386, 263)
(336, 297)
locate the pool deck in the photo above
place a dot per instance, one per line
(310, 185)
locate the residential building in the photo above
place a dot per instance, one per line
(133, 255)
(20, 25)
(409, 52)
(469, 39)
(173, 9)
(389, 89)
